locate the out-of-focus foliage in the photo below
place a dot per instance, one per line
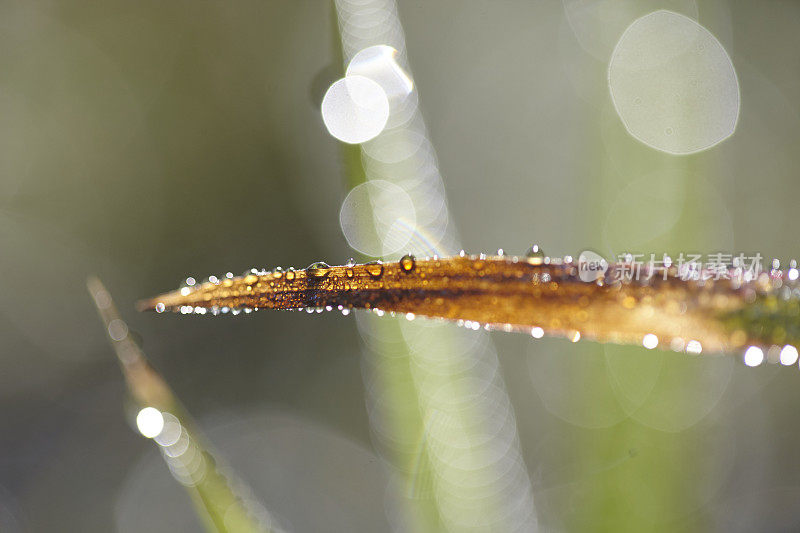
(149, 141)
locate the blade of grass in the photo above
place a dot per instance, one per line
(222, 501)
(528, 295)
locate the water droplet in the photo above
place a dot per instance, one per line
(753, 356)
(407, 263)
(694, 347)
(788, 355)
(318, 269)
(650, 341)
(160, 307)
(213, 279)
(375, 269)
(345, 311)
(500, 252)
(189, 282)
(535, 255)
(462, 253)
(229, 275)
(277, 273)
(351, 262)
(537, 332)
(290, 274)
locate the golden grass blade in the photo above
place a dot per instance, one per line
(535, 295)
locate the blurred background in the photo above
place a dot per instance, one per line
(148, 141)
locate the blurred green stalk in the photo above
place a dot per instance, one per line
(219, 505)
(645, 491)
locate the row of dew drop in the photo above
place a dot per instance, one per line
(534, 255)
(752, 355)
(317, 271)
(321, 269)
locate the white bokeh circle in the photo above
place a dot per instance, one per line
(673, 84)
(380, 64)
(355, 109)
(378, 218)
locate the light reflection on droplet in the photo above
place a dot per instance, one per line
(377, 218)
(150, 422)
(355, 109)
(694, 347)
(753, 356)
(673, 84)
(788, 355)
(650, 341)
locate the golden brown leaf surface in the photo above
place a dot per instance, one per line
(500, 292)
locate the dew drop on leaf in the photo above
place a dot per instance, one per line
(375, 269)
(535, 254)
(318, 270)
(407, 263)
